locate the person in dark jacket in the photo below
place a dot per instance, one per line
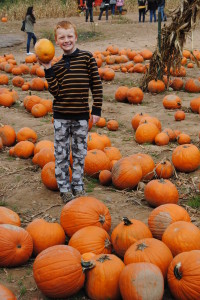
(104, 7)
(152, 6)
(142, 9)
(89, 10)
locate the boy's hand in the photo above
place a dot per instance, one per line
(94, 119)
(45, 65)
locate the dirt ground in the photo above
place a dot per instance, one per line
(21, 188)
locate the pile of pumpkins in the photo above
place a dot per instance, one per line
(134, 260)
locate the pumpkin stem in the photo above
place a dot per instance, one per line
(127, 222)
(161, 180)
(141, 246)
(102, 219)
(19, 246)
(86, 265)
(177, 271)
(103, 258)
(107, 243)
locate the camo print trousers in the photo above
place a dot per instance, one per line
(66, 133)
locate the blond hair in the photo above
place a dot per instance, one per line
(65, 25)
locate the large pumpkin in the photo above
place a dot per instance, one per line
(8, 135)
(102, 281)
(44, 49)
(186, 158)
(183, 276)
(26, 134)
(16, 245)
(149, 250)
(182, 236)
(146, 133)
(96, 161)
(156, 86)
(91, 239)
(127, 233)
(126, 174)
(160, 191)
(82, 212)
(7, 216)
(164, 215)
(141, 281)
(147, 164)
(58, 271)
(45, 234)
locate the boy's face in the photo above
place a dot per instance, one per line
(66, 39)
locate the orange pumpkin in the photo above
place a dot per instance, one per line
(70, 270)
(149, 119)
(112, 125)
(179, 115)
(136, 120)
(183, 139)
(195, 104)
(146, 133)
(126, 175)
(82, 212)
(39, 110)
(45, 234)
(43, 144)
(8, 135)
(127, 233)
(16, 245)
(44, 49)
(23, 149)
(144, 251)
(6, 99)
(162, 139)
(171, 102)
(135, 95)
(7, 216)
(18, 81)
(101, 123)
(186, 158)
(6, 294)
(96, 161)
(26, 134)
(160, 191)
(93, 239)
(121, 93)
(183, 276)
(102, 281)
(37, 84)
(164, 169)
(113, 153)
(48, 176)
(147, 164)
(182, 236)
(105, 177)
(192, 85)
(177, 84)
(151, 286)
(44, 156)
(156, 86)
(164, 215)
(3, 79)
(170, 133)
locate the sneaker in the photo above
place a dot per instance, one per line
(66, 197)
(29, 53)
(78, 193)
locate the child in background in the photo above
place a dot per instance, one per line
(119, 4)
(70, 80)
(142, 9)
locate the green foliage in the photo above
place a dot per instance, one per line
(48, 34)
(194, 202)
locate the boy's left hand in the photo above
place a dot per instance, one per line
(94, 119)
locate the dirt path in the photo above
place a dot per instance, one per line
(21, 188)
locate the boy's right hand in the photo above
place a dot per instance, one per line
(45, 65)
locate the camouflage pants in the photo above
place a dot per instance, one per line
(68, 132)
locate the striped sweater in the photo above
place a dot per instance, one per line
(70, 80)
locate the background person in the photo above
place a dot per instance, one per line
(29, 29)
(89, 10)
(152, 6)
(104, 7)
(112, 6)
(142, 10)
(119, 4)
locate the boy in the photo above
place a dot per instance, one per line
(69, 82)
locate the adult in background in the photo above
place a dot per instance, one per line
(142, 10)
(104, 7)
(89, 10)
(161, 6)
(112, 6)
(119, 4)
(152, 6)
(29, 29)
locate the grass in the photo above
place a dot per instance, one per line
(194, 202)
(121, 20)
(89, 35)
(48, 34)
(3, 203)
(91, 184)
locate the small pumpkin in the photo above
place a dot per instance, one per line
(146, 133)
(8, 135)
(135, 95)
(105, 177)
(44, 49)
(179, 115)
(23, 149)
(112, 125)
(162, 139)
(26, 134)
(183, 139)
(121, 94)
(156, 86)
(164, 169)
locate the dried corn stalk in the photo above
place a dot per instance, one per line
(173, 37)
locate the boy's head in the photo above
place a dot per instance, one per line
(66, 36)
(65, 25)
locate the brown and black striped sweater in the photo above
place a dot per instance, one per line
(70, 80)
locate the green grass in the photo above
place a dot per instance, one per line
(48, 34)
(89, 35)
(3, 203)
(194, 202)
(10, 278)
(91, 184)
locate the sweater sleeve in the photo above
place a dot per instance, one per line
(53, 86)
(95, 87)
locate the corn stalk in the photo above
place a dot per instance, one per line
(173, 38)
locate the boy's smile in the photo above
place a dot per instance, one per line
(66, 39)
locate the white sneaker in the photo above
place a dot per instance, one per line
(29, 53)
